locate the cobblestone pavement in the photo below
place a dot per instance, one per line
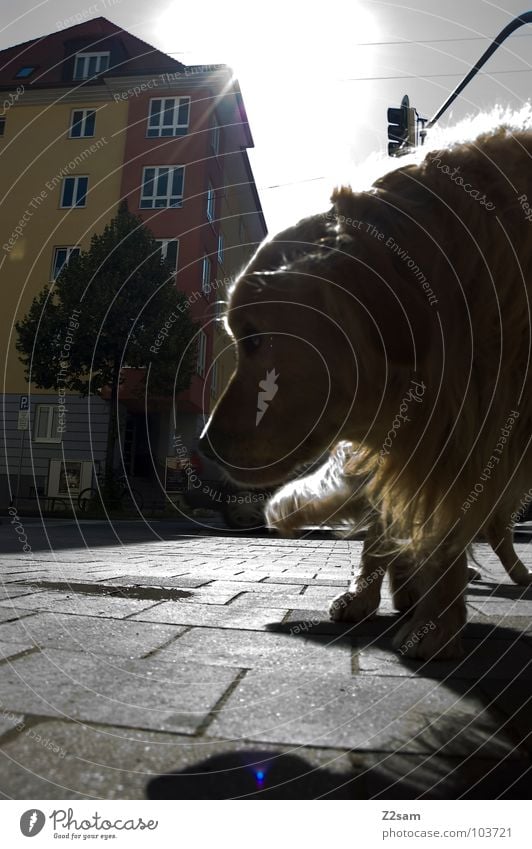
(164, 663)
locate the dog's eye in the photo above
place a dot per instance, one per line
(251, 343)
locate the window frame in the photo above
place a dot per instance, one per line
(49, 427)
(202, 354)
(214, 379)
(86, 56)
(69, 249)
(220, 253)
(82, 123)
(206, 275)
(76, 179)
(157, 176)
(29, 68)
(178, 129)
(211, 203)
(242, 232)
(215, 136)
(164, 250)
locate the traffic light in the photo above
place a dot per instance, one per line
(402, 128)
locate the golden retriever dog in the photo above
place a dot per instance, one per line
(398, 320)
(331, 494)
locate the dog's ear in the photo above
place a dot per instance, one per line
(344, 203)
(305, 238)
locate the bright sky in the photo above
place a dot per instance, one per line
(317, 77)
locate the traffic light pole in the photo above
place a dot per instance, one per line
(525, 18)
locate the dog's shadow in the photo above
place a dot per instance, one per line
(496, 670)
(395, 773)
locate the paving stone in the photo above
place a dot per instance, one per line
(10, 613)
(519, 624)
(248, 601)
(88, 634)
(250, 587)
(88, 605)
(8, 591)
(315, 594)
(8, 722)
(502, 607)
(362, 713)
(11, 649)
(248, 649)
(135, 693)
(109, 762)
(295, 583)
(306, 623)
(221, 616)
(249, 575)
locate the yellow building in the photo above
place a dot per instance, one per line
(79, 130)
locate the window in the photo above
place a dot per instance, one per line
(215, 137)
(214, 379)
(74, 191)
(210, 202)
(206, 275)
(46, 424)
(169, 116)
(221, 247)
(169, 248)
(88, 65)
(2, 126)
(61, 257)
(202, 353)
(162, 186)
(25, 72)
(82, 123)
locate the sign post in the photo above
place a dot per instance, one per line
(22, 425)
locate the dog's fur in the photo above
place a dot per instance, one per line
(331, 495)
(342, 321)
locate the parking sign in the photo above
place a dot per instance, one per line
(24, 402)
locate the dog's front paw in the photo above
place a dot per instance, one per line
(521, 575)
(353, 607)
(438, 638)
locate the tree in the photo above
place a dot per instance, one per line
(128, 311)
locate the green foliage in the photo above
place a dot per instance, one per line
(106, 310)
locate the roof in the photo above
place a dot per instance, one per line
(53, 55)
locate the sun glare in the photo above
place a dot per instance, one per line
(293, 63)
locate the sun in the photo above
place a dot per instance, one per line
(294, 65)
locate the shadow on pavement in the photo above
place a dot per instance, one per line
(63, 535)
(253, 775)
(496, 672)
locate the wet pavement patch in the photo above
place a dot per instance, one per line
(137, 592)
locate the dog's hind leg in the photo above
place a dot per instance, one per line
(434, 632)
(500, 537)
(403, 582)
(364, 594)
